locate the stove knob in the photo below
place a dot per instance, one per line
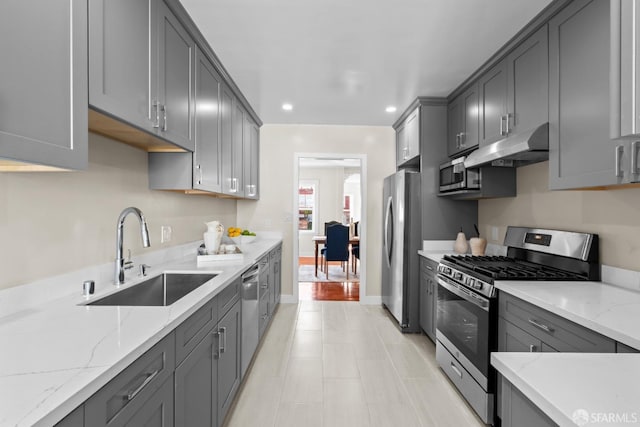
(477, 285)
(470, 282)
(457, 276)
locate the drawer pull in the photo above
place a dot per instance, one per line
(456, 370)
(541, 326)
(147, 380)
(223, 332)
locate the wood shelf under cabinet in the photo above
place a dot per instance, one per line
(105, 125)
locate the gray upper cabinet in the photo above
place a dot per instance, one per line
(581, 153)
(176, 53)
(43, 84)
(207, 166)
(408, 139)
(493, 104)
(625, 120)
(251, 147)
(462, 122)
(528, 83)
(122, 56)
(625, 15)
(233, 146)
(514, 93)
(142, 70)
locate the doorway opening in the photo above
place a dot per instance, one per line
(329, 189)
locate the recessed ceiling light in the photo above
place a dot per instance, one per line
(390, 109)
(287, 107)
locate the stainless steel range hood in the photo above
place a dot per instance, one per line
(522, 148)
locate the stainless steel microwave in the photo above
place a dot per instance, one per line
(455, 177)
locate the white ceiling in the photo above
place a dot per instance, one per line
(345, 61)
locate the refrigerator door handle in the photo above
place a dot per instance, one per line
(388, 222)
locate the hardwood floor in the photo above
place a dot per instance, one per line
(327, 291)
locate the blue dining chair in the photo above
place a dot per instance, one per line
(323, 250)
(337, 248)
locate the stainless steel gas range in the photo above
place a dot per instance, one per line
(467, 317)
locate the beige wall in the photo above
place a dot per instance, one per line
(278, 144)
(53, 223)
(614, 214)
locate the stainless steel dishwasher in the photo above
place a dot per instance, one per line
(250, 315)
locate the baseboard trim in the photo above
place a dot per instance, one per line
(371, 300)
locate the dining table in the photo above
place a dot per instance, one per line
(322, 240)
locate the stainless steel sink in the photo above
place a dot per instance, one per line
(161, 290)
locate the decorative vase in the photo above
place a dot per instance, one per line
(213, 236)
(478, 245)
(461, 246)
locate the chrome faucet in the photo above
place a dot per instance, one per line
(119, 273)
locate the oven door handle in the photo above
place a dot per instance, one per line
(467, 295)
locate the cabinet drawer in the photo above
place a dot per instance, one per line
(119, 400)
(428, 266)
(195, 328)
(228, 297)
(553, 330)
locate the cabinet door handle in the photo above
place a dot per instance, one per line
(199, 168)
(457, 140)
(634, 157)
(463, 140)
(149, 377)
(156, 114)
(508, 118)
(164, 118)
(234, 185)
(618, 153)
(502, 127)
(532, 348)
(216, 352)
(405, 153)
(456, 370)
(541, 326)
(223, 332)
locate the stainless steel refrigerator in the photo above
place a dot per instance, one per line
(402, 238)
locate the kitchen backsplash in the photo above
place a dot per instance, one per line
(57, 222)
(612, 214)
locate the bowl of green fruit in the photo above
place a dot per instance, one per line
(246, 237)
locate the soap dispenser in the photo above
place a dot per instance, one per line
(461, 246)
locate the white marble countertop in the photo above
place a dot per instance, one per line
(609, 310)
(566, 386)
(56, 354)
(562, 383)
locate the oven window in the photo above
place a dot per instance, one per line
(467, 327)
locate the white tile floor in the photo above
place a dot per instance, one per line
(333, 364)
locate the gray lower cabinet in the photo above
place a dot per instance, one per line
(74, 419)
(544, 330)
(122, 56)
(524, 327)
(581, 153)
(142, 394)
(428, 298)
(275, 275)
(462, 122)
(196, 385)
(43, 119)
(228, 365)
(519, 411)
